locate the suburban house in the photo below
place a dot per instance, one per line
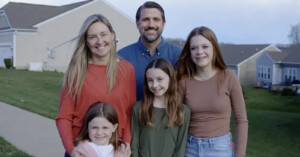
(280, 67)
(242, 59)
(41, 35)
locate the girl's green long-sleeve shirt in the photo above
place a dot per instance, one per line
(158, 141)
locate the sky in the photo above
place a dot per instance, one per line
(233, 21)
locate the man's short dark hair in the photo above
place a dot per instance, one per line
(150, 4)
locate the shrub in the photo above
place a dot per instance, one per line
(287, 92)
(7, 63)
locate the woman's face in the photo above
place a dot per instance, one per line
(201, 51)
(99, 40)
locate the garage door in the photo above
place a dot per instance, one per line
(5, 52)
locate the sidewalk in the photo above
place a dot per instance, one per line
(32, 133)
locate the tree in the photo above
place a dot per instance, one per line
(294, 35)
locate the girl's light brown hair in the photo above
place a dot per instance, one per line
(186, 66)
(173, 105)
(106, 111)
(78, 66)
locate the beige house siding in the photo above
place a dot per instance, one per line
(56, 32)
(247, 69)
(27, 49)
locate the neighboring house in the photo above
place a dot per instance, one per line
(32, 33)
(279, 68)
(242, 60)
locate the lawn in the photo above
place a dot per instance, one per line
(274, 124)
(34, 91)
(8, 150)
(274, 120)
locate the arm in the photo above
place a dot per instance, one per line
(64, 120)
(182, 134)
(132, 100)
(135, 132)
(181, 89)
(240, 116)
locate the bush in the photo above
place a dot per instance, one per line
(287, 92)
(7, 63)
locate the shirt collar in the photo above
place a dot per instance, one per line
(159, 48)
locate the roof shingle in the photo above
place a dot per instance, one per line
(25, 16)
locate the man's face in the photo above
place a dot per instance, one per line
(150, 24)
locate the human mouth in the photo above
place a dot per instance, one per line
(101, 47)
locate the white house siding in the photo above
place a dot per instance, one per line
(65, 27)
(6, 51)
(277, 74)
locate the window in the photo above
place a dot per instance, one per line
(290, 74)
(264, 72)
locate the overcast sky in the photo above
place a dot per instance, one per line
(233, 21)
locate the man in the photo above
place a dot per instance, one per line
(150, 21)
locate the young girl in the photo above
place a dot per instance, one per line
(160, 122)
(211, 91)
(95, 73)
(99, 135)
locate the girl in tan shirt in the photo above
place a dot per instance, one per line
(211, 91)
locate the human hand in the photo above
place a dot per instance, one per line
(123, 150)
(127, 150)
(77, 152)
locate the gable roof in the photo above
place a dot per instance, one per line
(25, 16)
(236, 54)
(287, 55)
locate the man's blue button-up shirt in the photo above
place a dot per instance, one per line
(139, 56)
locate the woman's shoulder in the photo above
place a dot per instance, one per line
(125, 63)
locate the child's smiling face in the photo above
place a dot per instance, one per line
(100, 130)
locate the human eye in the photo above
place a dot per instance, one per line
(145, 19)
(157, 19)
(149, 80)
(94, 127)
(91, 37)
(104, 34)
(193, 48)
(205, 46)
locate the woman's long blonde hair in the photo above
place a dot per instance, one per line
(78, 66)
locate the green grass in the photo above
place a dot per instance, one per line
(33, 91)
(274, 124)
(8, 150)
(274, 120)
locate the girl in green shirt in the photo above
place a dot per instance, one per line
(159, 123)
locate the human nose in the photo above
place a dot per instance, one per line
(99, 40)
(99, 131)
(151, 23)
(155, 84)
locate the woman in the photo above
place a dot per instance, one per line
(94, 74)
(211, 91)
